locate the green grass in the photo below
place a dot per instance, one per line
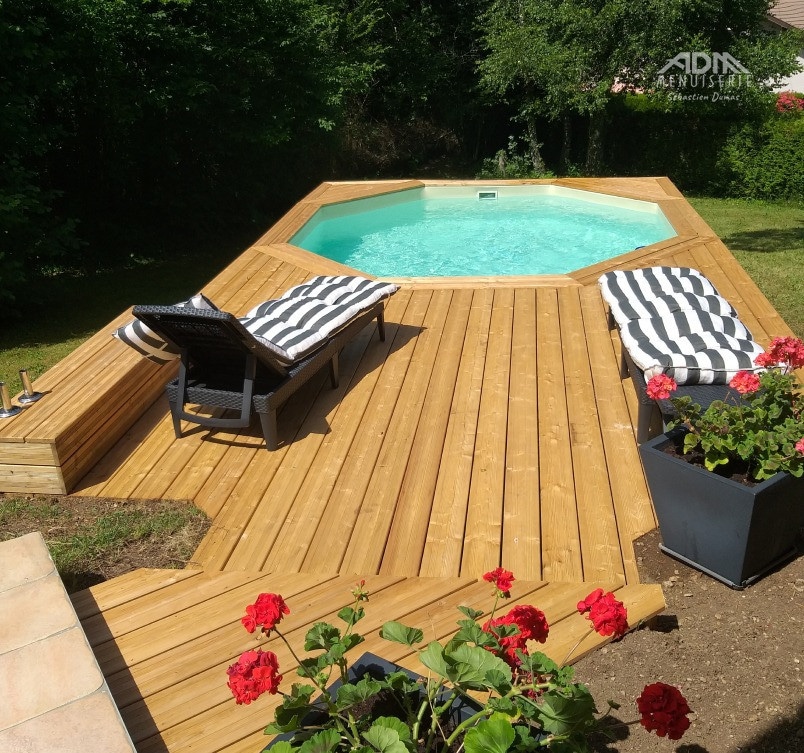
(57, 314)
(767, 238)
(86, 537)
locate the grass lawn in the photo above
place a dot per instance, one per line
(768, 241)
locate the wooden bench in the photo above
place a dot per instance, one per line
(90, 399)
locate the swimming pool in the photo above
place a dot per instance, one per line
(438, 231)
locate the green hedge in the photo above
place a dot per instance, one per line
(766, 160)
(722, 152)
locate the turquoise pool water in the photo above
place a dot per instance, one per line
(435, 232)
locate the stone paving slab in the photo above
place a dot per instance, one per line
(54, 696)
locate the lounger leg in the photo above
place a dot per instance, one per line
(269, 430)
(334, 371)
(176, 422)
(649, 419)
(381, 325)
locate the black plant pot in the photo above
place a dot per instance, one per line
(733, 532)
(378, 668)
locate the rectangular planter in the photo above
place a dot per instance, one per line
(733, 532)
(378, 668)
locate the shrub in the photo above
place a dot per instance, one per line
(765, 160)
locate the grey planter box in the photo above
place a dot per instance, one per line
(733, 532)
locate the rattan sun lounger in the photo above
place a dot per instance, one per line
(224, 366)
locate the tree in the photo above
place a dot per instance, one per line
(558, 58)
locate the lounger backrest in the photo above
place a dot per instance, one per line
(212, 339)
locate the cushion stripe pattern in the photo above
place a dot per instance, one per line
(669, 303)
(673, 321)
(696, 358)
(627, 291)
(147, 343)
(308, 314)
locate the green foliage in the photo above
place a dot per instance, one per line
(528, 702)
(135, 125)
(511, 162)
(757, 434)
(766, 160)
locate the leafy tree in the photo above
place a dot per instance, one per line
(555, 59)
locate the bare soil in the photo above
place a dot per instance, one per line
(737, 656)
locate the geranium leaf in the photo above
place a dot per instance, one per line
(384, 739)
(399, 633)
(322, 742)
(471, 632)
(283, 746)
(563, 713)
(433, 658)
(493, 735)
(500, 681)
(470, 665)
(472, 614)
(352, 693)
(321, 635)
(394, 723)
(350, 616)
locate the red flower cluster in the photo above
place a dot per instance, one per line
(787, 352)
(532, 625)
(663, 709)
(502, 580)
(745, 382)
(800, 446)
(660, 386)
(608, 615)
(789, 102)
(266, 613)
(254, 673)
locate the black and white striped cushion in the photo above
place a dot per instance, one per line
(669, 303)
(627, 291)
(307, 314)
(147, 343)
(691, 347)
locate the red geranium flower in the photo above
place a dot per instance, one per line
(254, 673)
(660, 386)
(608, 615)
(509, 644)
(800, 446)
(532, 626)
(787, 352)
(531, 622)
(745, 382)
(502, 580)
(664, 710)
(266, 613)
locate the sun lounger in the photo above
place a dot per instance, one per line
(254, 364)
(671, 320)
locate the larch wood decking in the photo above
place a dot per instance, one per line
(492, 427)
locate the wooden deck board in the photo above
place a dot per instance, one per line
(166, 667)
(492, 427)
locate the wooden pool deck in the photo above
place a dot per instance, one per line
(490, 428)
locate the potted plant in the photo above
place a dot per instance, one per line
(487, 690)
(727, 482)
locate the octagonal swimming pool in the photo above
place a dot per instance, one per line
(440, 231)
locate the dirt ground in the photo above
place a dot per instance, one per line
(737, 656)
